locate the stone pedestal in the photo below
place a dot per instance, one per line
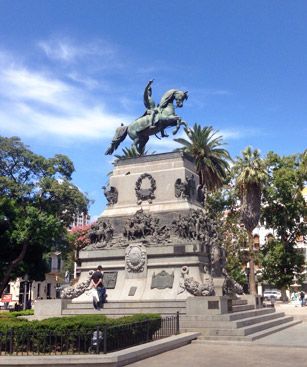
(153, 240)
(218, 285)
(49, 307)
(158, 175)
(213, 305)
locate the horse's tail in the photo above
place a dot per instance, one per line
(120, 135)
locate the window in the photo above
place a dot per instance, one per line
(48, 290)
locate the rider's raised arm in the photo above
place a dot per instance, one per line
(148, 101)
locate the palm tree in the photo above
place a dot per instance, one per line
(132, 152)
(211, 159)
(250, 174)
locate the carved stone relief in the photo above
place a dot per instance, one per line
(185, 189)
(143, 225)
(100, 233)
(145, 193)
(136, 258)
(111, 194)
(78, 289)
(231, 287)
(200, 194)
(194, 287)
(218, 259)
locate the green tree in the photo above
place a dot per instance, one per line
(222, 206)
(283, 211)
(131, 152)
(211, 160)
(284, 206)
(279, 261)
(78, 239)
(37, 203)
(250, 175)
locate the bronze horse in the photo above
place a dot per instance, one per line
(152, 122)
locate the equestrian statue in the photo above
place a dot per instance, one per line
(155, 119)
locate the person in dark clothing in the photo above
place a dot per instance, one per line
(302, 297)
(97, 282)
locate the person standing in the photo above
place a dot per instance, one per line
(302, 297)
(97, 283)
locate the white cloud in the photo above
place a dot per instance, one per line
(35, 103)
(62, 104)
(230, 134)
(88, 82)
(22, 84)
(66, 50)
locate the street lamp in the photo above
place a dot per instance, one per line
(25, 291)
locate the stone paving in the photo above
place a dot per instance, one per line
(287, 348)
(228, 355)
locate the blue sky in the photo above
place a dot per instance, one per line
(71, 71)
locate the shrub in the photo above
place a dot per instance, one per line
(68, 333)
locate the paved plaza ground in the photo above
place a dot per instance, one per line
(227, 355)
(287, 348)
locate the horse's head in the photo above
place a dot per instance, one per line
(180, 96)
(172, 94)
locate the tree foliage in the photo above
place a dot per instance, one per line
(131, 152)
(211, 160)
(279, 261)
(222, 206)
(284, 206)
(250, 175)
(78, 239)
(283, 211)
(37, 203)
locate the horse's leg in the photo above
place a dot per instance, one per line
(135, 143)
(179, 123)
(142, 142)
(163, 135)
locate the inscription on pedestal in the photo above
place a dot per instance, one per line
(162, 280)
(109, 279)
(132, 291)
(213, 305)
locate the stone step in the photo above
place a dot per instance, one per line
(203, 339)
(123, 311)
(237, 302)
(244, 331)
(229, 316)
(249, 313)
(130, 304)
(185, 323)
(243, 307)
(274, 329)
(257, 319)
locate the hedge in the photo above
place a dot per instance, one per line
(68, 333)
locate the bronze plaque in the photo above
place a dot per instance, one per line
(132, 291)
(162, 280)
(109, 279)
(213, 305)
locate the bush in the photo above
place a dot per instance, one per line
(21, 313)
(68, 333)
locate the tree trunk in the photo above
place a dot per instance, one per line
(7, 275)
(252, 281)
